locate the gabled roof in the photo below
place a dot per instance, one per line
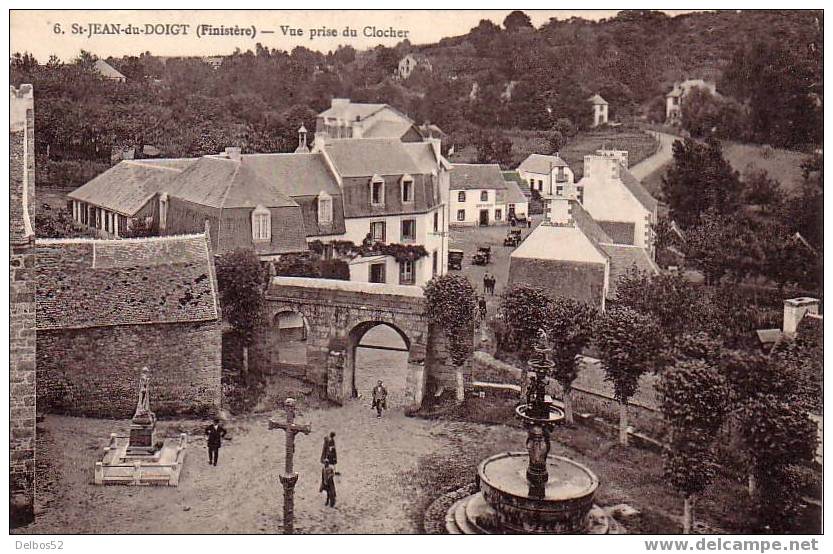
(540, 163)
(476, 176)
(635, 187)
(559, 242)
(597, 100)
(388, 129)
(108, 71)
(367, 157)
(514, 194)
(225, 183)
(127, 186)
(623, 258)
(96, 283)
(587, 224)
(422, 153)
(298, 174)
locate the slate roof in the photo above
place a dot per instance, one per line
(95, 283)
(476, 176)
(540, 163)
(596, 99)
(388, 129)
(620, 232)
(522, 184)
(294, 174)
(514, 194)
(587, 224)
(225, 183)
(367, 157)
(623, 258)
(127, 186)
(559, 242)
(108, 71)
(635, 187)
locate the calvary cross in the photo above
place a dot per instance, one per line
(289, 477)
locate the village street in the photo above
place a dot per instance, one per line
(242, 494)
(662, 156)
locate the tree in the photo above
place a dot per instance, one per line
(493, 148)
(298, 265)
(451, 303)
(628, 343)
(571, 330)
(523, 310)
(556, 141)
(517, 20)
(240, 279)
(694, 403)
(698, 180)
(761, 190)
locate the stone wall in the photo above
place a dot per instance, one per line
(95, 371)
(22, 374)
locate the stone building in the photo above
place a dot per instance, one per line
(107, 308)
(600, 106)
(22, 347)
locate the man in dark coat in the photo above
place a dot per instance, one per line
(215, 433)
(328, 484)
(328, 452)
(380, 398)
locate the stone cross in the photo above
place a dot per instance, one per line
(289, 477)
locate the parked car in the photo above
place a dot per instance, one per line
(483, 255)
(455, 259)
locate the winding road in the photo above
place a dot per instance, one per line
(662, 156)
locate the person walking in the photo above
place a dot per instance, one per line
(328, 451)
(215, 433)
(328, 484)
(380, 396)
(481, 303)
(486, 283)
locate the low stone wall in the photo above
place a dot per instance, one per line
(95, 371)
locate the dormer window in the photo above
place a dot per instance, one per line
(325, 208)
(377, 191)
(407, 189)
(461, 196)
(261, 224)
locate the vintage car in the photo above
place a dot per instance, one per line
(483, 255)
(455, 259)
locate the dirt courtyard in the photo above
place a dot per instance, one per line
(242, 494)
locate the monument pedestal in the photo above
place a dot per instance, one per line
(142, 439)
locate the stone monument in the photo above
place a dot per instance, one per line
(143, 425)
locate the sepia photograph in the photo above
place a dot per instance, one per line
(417, 272)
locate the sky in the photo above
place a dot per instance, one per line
(65, 32)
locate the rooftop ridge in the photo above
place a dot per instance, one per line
(85, 240)
(142, 163)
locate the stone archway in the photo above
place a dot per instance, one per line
(366, 361)
(290, 329)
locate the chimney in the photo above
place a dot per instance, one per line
(794, 311)
(302, 140)
(561, 210)
(233, 153)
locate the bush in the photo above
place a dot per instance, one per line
(334, 269)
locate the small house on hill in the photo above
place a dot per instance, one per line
(675, 98)
(600, 106)
(409, 63)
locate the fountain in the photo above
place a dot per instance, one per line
(532, 491)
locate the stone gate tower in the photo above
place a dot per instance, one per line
(22, 304)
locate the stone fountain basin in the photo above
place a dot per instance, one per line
(554, 415)
(562, 506)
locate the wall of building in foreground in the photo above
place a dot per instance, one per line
(95, 371)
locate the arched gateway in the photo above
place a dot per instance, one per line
(336, 315)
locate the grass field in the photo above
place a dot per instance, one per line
(782, 165)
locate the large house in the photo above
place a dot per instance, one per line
(549, 175)
(366, 191)
(674, 99)
(481, 196)
(570, 255)
(617, 201)
(346, 119)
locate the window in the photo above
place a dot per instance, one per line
(436, 221)
(163, 211)
(407, 189)
(434, 263)
(408, 230)
(580, 194)
(261, 224)
(484, 196)
(406, 272)
(561, 177)
(461, 215)
(461, 196)
(377, 191)
(559, 191)
(377, 231)
(498, 215)
(325, 208)
(377, 272)
(540, 185)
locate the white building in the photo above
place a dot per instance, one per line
(599, 110)
(549, 175)
(674, 99)
(618, 202)
(409, 63)
(346, 119)
(480, 196)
